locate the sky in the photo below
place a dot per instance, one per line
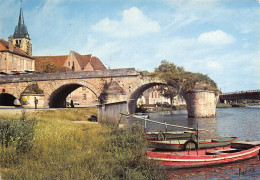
(219, 38)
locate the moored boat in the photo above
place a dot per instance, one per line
(141, 115)
(169, 135)
(204, 157)
(182, 144)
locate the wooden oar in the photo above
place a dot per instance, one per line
(149, 120)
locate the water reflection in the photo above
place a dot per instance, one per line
(248, 169)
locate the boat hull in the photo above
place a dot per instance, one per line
(200, 158)
(177, 145)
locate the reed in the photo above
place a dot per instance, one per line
(63, 149)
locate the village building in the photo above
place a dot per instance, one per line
(16, 53)
(153, 97)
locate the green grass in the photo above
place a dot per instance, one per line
(63, 149)
(223, 105)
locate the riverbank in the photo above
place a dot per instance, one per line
(223, 105)
(65, 147)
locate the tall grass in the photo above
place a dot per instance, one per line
(63, 149)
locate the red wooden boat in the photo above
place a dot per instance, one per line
(240, 150)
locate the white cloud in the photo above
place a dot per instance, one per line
(133, 23)
(217, 37)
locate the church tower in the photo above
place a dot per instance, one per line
(21, 37)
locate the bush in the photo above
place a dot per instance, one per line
(17, 132)
(16, 137)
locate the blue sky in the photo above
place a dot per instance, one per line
(219, 38)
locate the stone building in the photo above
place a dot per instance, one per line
(16, 54)
(74, 62)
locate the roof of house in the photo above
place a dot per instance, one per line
(4, 47)
(57, 60)
(83, 60)
(97, 64)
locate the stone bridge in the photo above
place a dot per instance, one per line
(116, 89)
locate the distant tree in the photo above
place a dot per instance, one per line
(168, 92)
(48, 67)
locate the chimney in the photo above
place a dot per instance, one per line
(11, 46)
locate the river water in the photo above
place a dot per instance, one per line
(241, 122)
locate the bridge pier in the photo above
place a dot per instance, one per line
(201, 103)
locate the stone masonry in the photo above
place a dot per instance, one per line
(201, 103)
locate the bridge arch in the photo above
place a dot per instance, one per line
(7, 99)
(132, 103)
(57, 99)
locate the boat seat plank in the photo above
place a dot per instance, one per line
(245, 144)
(222, 151)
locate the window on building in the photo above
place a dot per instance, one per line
(73, 67)
(68, 63)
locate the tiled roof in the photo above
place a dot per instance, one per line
(97, 64)
(57, 60)
(4, 47)
(85, 59)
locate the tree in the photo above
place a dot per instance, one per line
(168, 92)
(183, 81)
(48, 67)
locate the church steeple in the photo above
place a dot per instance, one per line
(21, 36)
(21, 29)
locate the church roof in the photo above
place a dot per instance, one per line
(21, 30)
(4, 47)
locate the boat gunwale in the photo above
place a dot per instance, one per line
(200, 142)
(210, 158)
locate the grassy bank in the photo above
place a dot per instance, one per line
(64, 149)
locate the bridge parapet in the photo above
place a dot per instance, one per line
(241, 92)
(69, 75)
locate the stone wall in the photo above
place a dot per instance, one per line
(201, 104)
